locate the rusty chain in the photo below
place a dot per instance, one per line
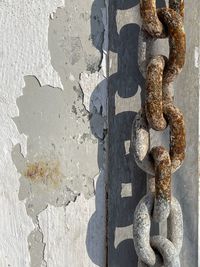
(158, 113)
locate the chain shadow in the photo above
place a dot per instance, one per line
(122, 168)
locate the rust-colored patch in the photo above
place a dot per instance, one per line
(160, 111)
(45, 172)
(153, 101)
(173, 22)
(151, 22)
(177, 134)
(178, 6)
(162, 173)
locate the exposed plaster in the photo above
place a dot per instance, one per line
(37, 246)
(25, 43)
(196, 57)
(53, 167)
(56, 164)
(94, 86)
(54, 170)
(67, 231)
(24, 50)
(54, 138)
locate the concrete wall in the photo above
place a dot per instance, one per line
(53, 124)
(70, 88)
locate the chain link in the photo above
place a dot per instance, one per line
(158, 113)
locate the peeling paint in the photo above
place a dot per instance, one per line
(24, 50)
(57, 144)
(67, 231)
(36, 248)
(54, 171)
(196, 57)
(91, 101)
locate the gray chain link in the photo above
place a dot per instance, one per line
(158, 112)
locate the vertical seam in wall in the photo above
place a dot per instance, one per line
(198, 247)
(198, 209)
(106, 55)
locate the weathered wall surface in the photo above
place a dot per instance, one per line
(54, 104)
(53, 125)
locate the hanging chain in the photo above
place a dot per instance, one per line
(157, 113)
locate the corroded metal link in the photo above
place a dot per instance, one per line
(144, 245)
(161, 245)
(174, 25)
(167, 249)
(158, 113)
(141, 139)
(140, 142)
(177, 134)
(178, 6)
(153, 89)
(159, 263)
(141, 230)
(151, 22)
(156, 93)
(162, 183)
(175, 234)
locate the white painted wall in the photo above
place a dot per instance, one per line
(65, 230)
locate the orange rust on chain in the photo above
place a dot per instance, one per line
(160, 111)
(177, 133)
(162, 164)
(178, 6)
(153, 102)
(151, 22)
(174, 25)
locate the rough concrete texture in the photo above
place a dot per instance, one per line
(58, 129)
(53, 85)
(24, 51)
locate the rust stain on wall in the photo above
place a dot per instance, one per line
(45, 172)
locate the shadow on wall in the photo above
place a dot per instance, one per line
(122, 168)
(51, 111)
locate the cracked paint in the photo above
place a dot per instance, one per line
(24, 50)
(54, 170)
(49, 137)
(68, 231)
(59, 163)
